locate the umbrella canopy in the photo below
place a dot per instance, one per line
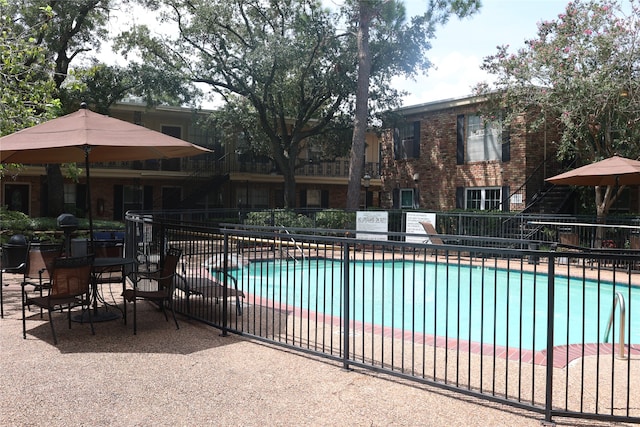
(85, 136)
(615, 170)
(70, 138)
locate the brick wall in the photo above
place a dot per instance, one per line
(438, 173)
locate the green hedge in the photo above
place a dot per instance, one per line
(336, 219)
(327, 219)
(45, 229)
(279, 218)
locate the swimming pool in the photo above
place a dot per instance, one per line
(487, 305)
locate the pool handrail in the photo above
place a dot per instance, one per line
(618, 299)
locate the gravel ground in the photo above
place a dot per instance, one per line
(193, 376)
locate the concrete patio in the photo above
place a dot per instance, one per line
(194, 376)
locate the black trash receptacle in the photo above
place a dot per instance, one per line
(14, 254)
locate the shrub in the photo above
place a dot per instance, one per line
(14, 220)
(279, 218)
(45, 229)
(336, 219)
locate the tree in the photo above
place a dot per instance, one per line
(293, 63)
(388, 45)
(68, 29)
(283, 59)
(27, 96)
(27, 89)
(101, 85)
(581, 73)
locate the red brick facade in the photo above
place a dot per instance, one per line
(436, 174)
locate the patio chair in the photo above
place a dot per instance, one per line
(70, 287)
(13, 260)
(163, 295)
(37, 273)
(209, 287)
(431, 233)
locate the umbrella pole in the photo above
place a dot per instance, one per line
(87, 149)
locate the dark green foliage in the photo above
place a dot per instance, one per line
(336, 219)
(279, 218)
(45, 229)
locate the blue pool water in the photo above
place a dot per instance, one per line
(450, 301)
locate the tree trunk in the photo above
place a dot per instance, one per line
(605, 198)
(289, 189)
(356, 160)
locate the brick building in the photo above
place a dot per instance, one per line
(445, 155)
(225, 178)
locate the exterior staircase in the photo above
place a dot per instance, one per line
(554, 199)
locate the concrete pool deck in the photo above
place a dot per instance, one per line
(193, 376)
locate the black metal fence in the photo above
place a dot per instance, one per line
(547, 230)
(556, 332)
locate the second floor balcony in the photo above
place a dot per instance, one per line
(207, 165)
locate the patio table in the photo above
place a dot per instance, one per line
(103, 266)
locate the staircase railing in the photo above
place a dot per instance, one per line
(517, 218)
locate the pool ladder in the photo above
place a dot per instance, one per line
(292, 256)
(618, 300)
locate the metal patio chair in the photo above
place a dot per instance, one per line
(163, 295)
(70, 287)
(37, 272)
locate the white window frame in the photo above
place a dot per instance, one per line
(483, 140)
(490, 198)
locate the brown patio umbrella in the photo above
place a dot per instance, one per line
(615, 170)
(85, 136)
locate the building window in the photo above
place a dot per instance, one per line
(70, 194)
(314, 198)
(483, 199)
(406, 198)
(483, 139)
(16, 197)
(206, 136)
(253, 197)
(406, 141)
(70, 197)
(132, 197)
(314, 153)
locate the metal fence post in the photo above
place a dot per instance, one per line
(550, 325)
(225, 280)
(346, 315)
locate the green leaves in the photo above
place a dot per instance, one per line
(102, 85)
(576, 70)
(25, 77)
(580, 73)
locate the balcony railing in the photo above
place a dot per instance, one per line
(212, 164)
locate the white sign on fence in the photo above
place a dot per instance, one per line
(412, 226)
(372, 221)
